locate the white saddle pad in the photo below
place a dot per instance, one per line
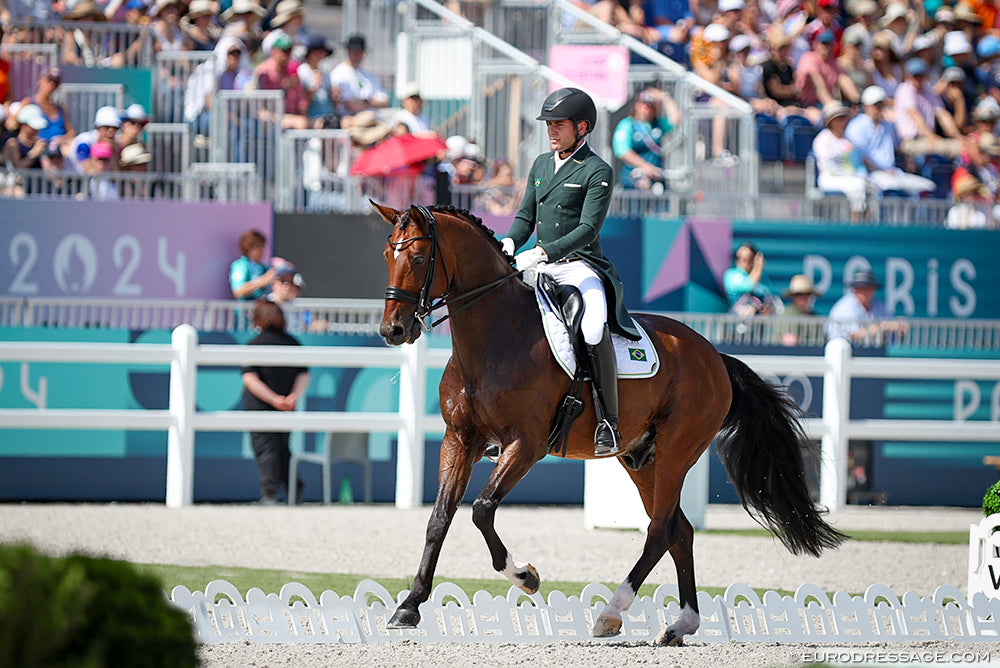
(636, 359)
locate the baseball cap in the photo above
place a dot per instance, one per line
(916, 67)
(832, 110)
(283, 42)
(107, 117)
(715, 32)
(953, 75)
(100, 151)
(32, 116)
(288, 273)
(826, 37)
(411, 89)
(873, 95)
(356, 42)
(135, 113)
(730, 6)
(739, 42)
(956, 42)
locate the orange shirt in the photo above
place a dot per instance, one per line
(986, 10)
(4, 80)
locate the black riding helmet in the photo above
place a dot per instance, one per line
(571, 103)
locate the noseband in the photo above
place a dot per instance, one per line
(426, 304)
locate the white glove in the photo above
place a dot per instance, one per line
(530, 258)
(507, 244)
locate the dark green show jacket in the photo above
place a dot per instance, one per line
(568, 209)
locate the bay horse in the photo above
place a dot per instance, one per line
(502, 386)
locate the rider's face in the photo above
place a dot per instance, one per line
(562, 134)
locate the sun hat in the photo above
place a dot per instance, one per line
(862, 7)
(456, 146)
(367, 129)
(832, 110)
(864, 278)
(800, 285)
(284, 11)
(967, 184)
(241, 7)
(893, 12)
(873, 95)
(986, 110)
(318, 43)
(964, 12)
(107, 117)
(134, 154)
(101, 151)
(956, 42)
(32, 116)
(84, 10)
(200, 8)
(730, 6)
(922, 42)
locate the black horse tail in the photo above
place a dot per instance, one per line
(761, 444)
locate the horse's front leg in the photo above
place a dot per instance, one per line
(513, 466)
(458, 455)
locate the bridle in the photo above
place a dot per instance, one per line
(427, 304)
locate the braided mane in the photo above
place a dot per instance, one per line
(472, 219)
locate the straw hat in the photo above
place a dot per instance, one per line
(284, 11)
(967, 184)
(200, 8)
(832, 110)
(84, 10)
(367, 129)
(895, 11)
(801, 285)
(134, 154)
(241, 7)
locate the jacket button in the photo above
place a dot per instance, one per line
(557, 224)
(558, 206)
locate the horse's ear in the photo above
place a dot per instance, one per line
(417, 218)
(388, 213)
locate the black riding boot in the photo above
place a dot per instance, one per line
(605, 382)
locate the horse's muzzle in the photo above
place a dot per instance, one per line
(397, 331)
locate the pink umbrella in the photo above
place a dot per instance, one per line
(395, 152)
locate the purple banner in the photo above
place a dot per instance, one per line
(160, 250)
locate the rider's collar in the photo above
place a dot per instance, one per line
(562, 161)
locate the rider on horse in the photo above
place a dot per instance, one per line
(567, 199)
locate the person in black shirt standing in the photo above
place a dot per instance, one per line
(272, 388)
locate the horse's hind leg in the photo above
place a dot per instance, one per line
(668, 529)
(512, 468)
(457, 460)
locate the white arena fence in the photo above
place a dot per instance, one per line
(184, 355)
(221, 614)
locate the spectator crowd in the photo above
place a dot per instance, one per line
(916, 85)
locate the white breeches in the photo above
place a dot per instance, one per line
(595, 308)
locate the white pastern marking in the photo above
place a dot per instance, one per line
(513, 570)
(621, 600)
(687, 622)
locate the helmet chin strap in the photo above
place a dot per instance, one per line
(579, 140)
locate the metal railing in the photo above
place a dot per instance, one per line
(86, 43)
(80, 101)
(363, 316)
(27, 62)
(208, 182)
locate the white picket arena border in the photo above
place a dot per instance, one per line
(184, 355)
(221, 614)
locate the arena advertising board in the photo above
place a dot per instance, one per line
(157, 250)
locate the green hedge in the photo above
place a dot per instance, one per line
(991, 501)
(84, 611)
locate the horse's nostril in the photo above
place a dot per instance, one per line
(396, 331)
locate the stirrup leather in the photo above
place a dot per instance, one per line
(604, 380)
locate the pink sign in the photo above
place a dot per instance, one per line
(602, 70)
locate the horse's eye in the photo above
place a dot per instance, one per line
(420, 259)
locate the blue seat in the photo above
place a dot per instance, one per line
(770, 144)
(940, 173)
(800, 143)
(798, 132)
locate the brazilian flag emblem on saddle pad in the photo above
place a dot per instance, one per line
(637, 354)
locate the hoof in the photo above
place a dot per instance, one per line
(606, 626)
(404, 619)
(670, 639)
(529, 580)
